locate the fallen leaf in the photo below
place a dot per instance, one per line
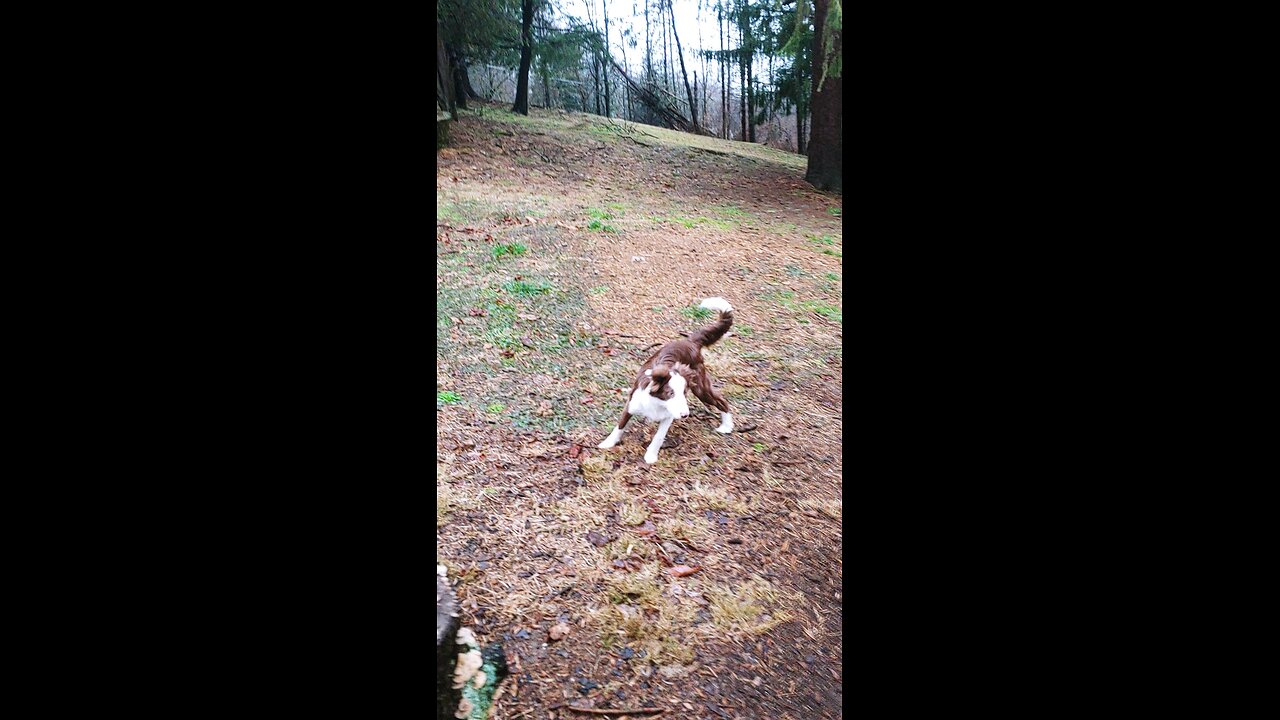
(558, 631)
(683, 570)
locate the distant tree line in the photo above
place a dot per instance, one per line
(771, 59)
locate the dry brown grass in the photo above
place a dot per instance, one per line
(643, 617)
(628, 546)
(691, 528)
(752, 607)
(703, 497)
(633, 513)
(831, 507)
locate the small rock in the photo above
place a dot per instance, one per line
(596, 538)
(735, 541)
(558, 631)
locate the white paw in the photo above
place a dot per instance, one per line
(608, 443)
(726, 428)
(651, 457)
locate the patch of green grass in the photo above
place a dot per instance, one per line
(834, 253)
(832, 276)
(823, 240)
(616, 206)
(464, 212)
(448, 397)
(730, 210)
(788, 300)
(693, 222)
(746, 330)
(496, 407)
(794, 271)
(512, 249)
(525, 288)
(758, 447)
(834, 211)
(695, 313)
(598, 214)
(599, 289)
(601, 226)
(656, 308)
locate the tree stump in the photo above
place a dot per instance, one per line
(480, 679)
(447, 623)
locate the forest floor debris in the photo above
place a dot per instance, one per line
(709, 582)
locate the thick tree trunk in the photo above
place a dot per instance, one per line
(447, 698)
(693, 106)
(459, 70)
(444, 77)
(595, 82)
(526, 57)
(825, 162)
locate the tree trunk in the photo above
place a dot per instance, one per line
(608, 105)
(742, 74)
(825, 162)
(724, 83)
(648, 48)
(749, 50)
(595, 81)
(800, 148)
(447, 698)
(693, 106)
(526, 57)
(444, 77)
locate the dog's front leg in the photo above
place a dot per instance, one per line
(651, 455)
(616, 435)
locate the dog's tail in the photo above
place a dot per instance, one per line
(713, 332)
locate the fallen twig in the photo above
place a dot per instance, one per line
(596, 711)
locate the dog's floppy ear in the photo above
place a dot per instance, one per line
(660, 374)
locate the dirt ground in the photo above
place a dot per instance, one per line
(568, 248)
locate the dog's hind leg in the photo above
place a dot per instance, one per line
(651, 455)
(716, 401)
(616, 435)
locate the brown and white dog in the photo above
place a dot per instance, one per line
(658, 391)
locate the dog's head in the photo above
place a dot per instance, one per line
(667, 384)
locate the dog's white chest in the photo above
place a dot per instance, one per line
(646, 406)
